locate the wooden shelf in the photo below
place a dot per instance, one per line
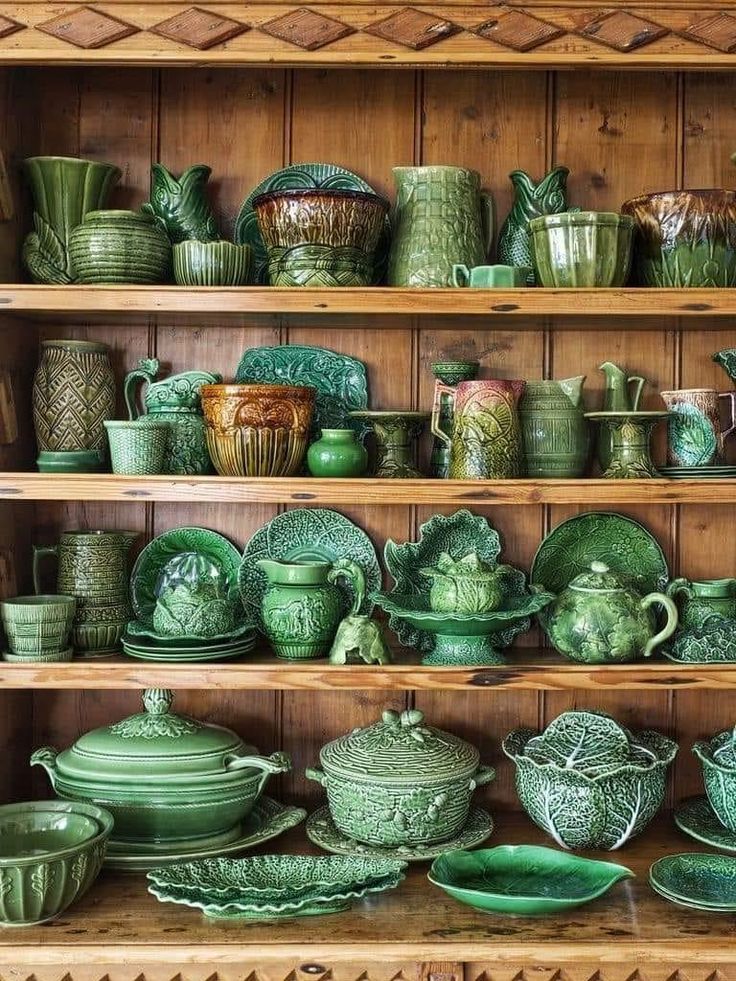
(528, 669)
(335, 492)
(648, 306)
(119, 923)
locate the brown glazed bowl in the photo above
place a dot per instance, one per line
(257, 430)
(314, 216)
(684, 238)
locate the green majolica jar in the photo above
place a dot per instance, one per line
(337, 453)
(399, 781)
(598, 619)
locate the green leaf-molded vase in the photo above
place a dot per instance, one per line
(65, 190)
(531, 199)
(181, 205)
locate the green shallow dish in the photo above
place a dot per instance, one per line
(140, 633)
(697, 818)
(700, 907)
(702, 879)
(188, 656)
(523, 880)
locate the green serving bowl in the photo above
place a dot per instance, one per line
(523, 880)
(50, 854)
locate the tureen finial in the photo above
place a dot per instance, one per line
(157, 701)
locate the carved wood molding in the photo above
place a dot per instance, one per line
(333, 34)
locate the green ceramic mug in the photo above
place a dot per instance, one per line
(490, 277)
(38, 626)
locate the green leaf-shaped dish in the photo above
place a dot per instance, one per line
(523, 880)
(140, 633)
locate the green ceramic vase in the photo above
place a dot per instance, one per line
(180, 203)
(337, 453)
(531, 199)
(120, 247)
(582, 249)
(65, 190)
(554, 429)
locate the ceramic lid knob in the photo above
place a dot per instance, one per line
(157, 701)
(599, 567)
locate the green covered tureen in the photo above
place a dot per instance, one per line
(399, 781)
(466, 586)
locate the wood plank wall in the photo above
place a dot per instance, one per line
(620, 134)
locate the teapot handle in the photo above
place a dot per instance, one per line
(441, 389)
(347, 569)
(671, 625)
(487, 222)
(145, 372)
(639, 384)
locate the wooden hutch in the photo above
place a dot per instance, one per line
(632, 98)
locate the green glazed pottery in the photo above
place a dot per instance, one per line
(217, 651)
(56, 657)
(200, 609)
(587, 781)
(395, 434)
(629, 435)
(712, 643)
(582, 249)
(266, 821)
(322, 831)
(696, 879)
(727, 360)
(302, 606)
(38, 625)
(486, 442)
(73, 394)
(695, 437)
(268, 887)
(139, 632)
(697, 818)
(164, 777)
(120, 247)
(50, 854)
(212, 264)
(358, 638)
(710, 472)
(531, 199)
(180, 204)
(467, 585)
(490, 277)
(703, 600)
(138, 448)
(685, 238)
(553, 428)
(65, 190)
(621, 393)
(718, 760)
(399, 781)
(441, 219)
(92, 566)
(449, 373)
(337, 453)
(523, 880)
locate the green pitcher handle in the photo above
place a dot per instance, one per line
(460, 275)
(671, 625)
(487, 222)
(678, 586)
(441, 389)
(40, 552)
(639, 384)
(347, 569)
(731, 396)
(146, 372)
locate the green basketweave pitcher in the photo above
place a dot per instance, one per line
(441, 219)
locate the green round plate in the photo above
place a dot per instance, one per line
(296, 176)
(627, 548)
(700, 878)
(306, 534)
(187, 657)
(697, 473)
(161, 550)
(701, 907)
(321, 831)
(697, 818)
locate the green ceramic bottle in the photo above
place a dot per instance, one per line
(337, 453)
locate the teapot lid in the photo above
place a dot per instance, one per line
(400, 748)
(600, 578)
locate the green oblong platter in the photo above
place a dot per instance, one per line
(697, 819)
(524, 880)
(700, 879)
(303, 175)
(306, 534)
(161, 550)
(628, 549)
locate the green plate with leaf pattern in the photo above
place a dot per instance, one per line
(697, 818)
(700, 879)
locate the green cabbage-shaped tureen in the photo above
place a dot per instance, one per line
(468, 585)
(193, 611)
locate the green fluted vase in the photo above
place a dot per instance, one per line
(64, 190)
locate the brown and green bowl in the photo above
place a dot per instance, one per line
(318, 216)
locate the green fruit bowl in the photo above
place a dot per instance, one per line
(50, 854)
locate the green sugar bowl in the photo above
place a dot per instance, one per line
(120, 247)
(399, 781)
(466, 586)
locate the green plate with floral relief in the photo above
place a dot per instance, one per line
(222, 557)
(697, 818)
(303, 175)
(700, 879)
(628, 549)
(307, 535)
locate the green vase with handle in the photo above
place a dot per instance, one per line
(554, 428)
(622, 393)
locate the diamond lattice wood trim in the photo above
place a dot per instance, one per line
(88, 27)
(622, 30)
(717, 31)
(518, 30)
(413, 28)
(307, 29)
(198, 28)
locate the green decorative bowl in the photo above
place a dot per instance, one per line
(582, 248)
(212, 264)
(523, 880)
(50, 854)
(38, 625)
(718, 760)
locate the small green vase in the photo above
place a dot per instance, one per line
(180, 203)
(120, 247)
(337, 453)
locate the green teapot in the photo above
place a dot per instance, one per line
(598, 619)
(466, 586)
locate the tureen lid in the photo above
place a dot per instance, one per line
(600, 578)
(155, 743)
(400, 749)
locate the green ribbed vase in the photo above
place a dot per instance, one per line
(120, 247)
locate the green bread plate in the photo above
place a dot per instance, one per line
(697, 818)
(523, 880)
(701, 879)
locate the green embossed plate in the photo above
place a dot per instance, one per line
(698, 878)
(697, 818)
(322, 831)
(306, 534)
(627, 548)
(713, 643)
(340, 381)
(328, 176)
(159, 552)
(140, 634)
(523, 880)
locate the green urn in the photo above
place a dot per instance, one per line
(598, 619)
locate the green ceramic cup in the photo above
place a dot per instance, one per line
(138, 447)
(212, 264)
(490, 277)
(38, 625)
(582, 248)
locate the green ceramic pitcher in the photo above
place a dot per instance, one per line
(703, 599)
(622, 393)
(554, 428)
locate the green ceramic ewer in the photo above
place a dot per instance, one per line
(703, 600)
(302, 606)
(622, 393)
(554, 428)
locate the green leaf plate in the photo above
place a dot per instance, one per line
(523, 880)
(140, 633)
(697, 818)
(698, 878)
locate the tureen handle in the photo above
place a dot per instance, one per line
(671, 625)
(46, 757)
(313, 773)
(483, 775)
(275, 763)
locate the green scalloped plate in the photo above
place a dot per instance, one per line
(697, 818)
(140, 634)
